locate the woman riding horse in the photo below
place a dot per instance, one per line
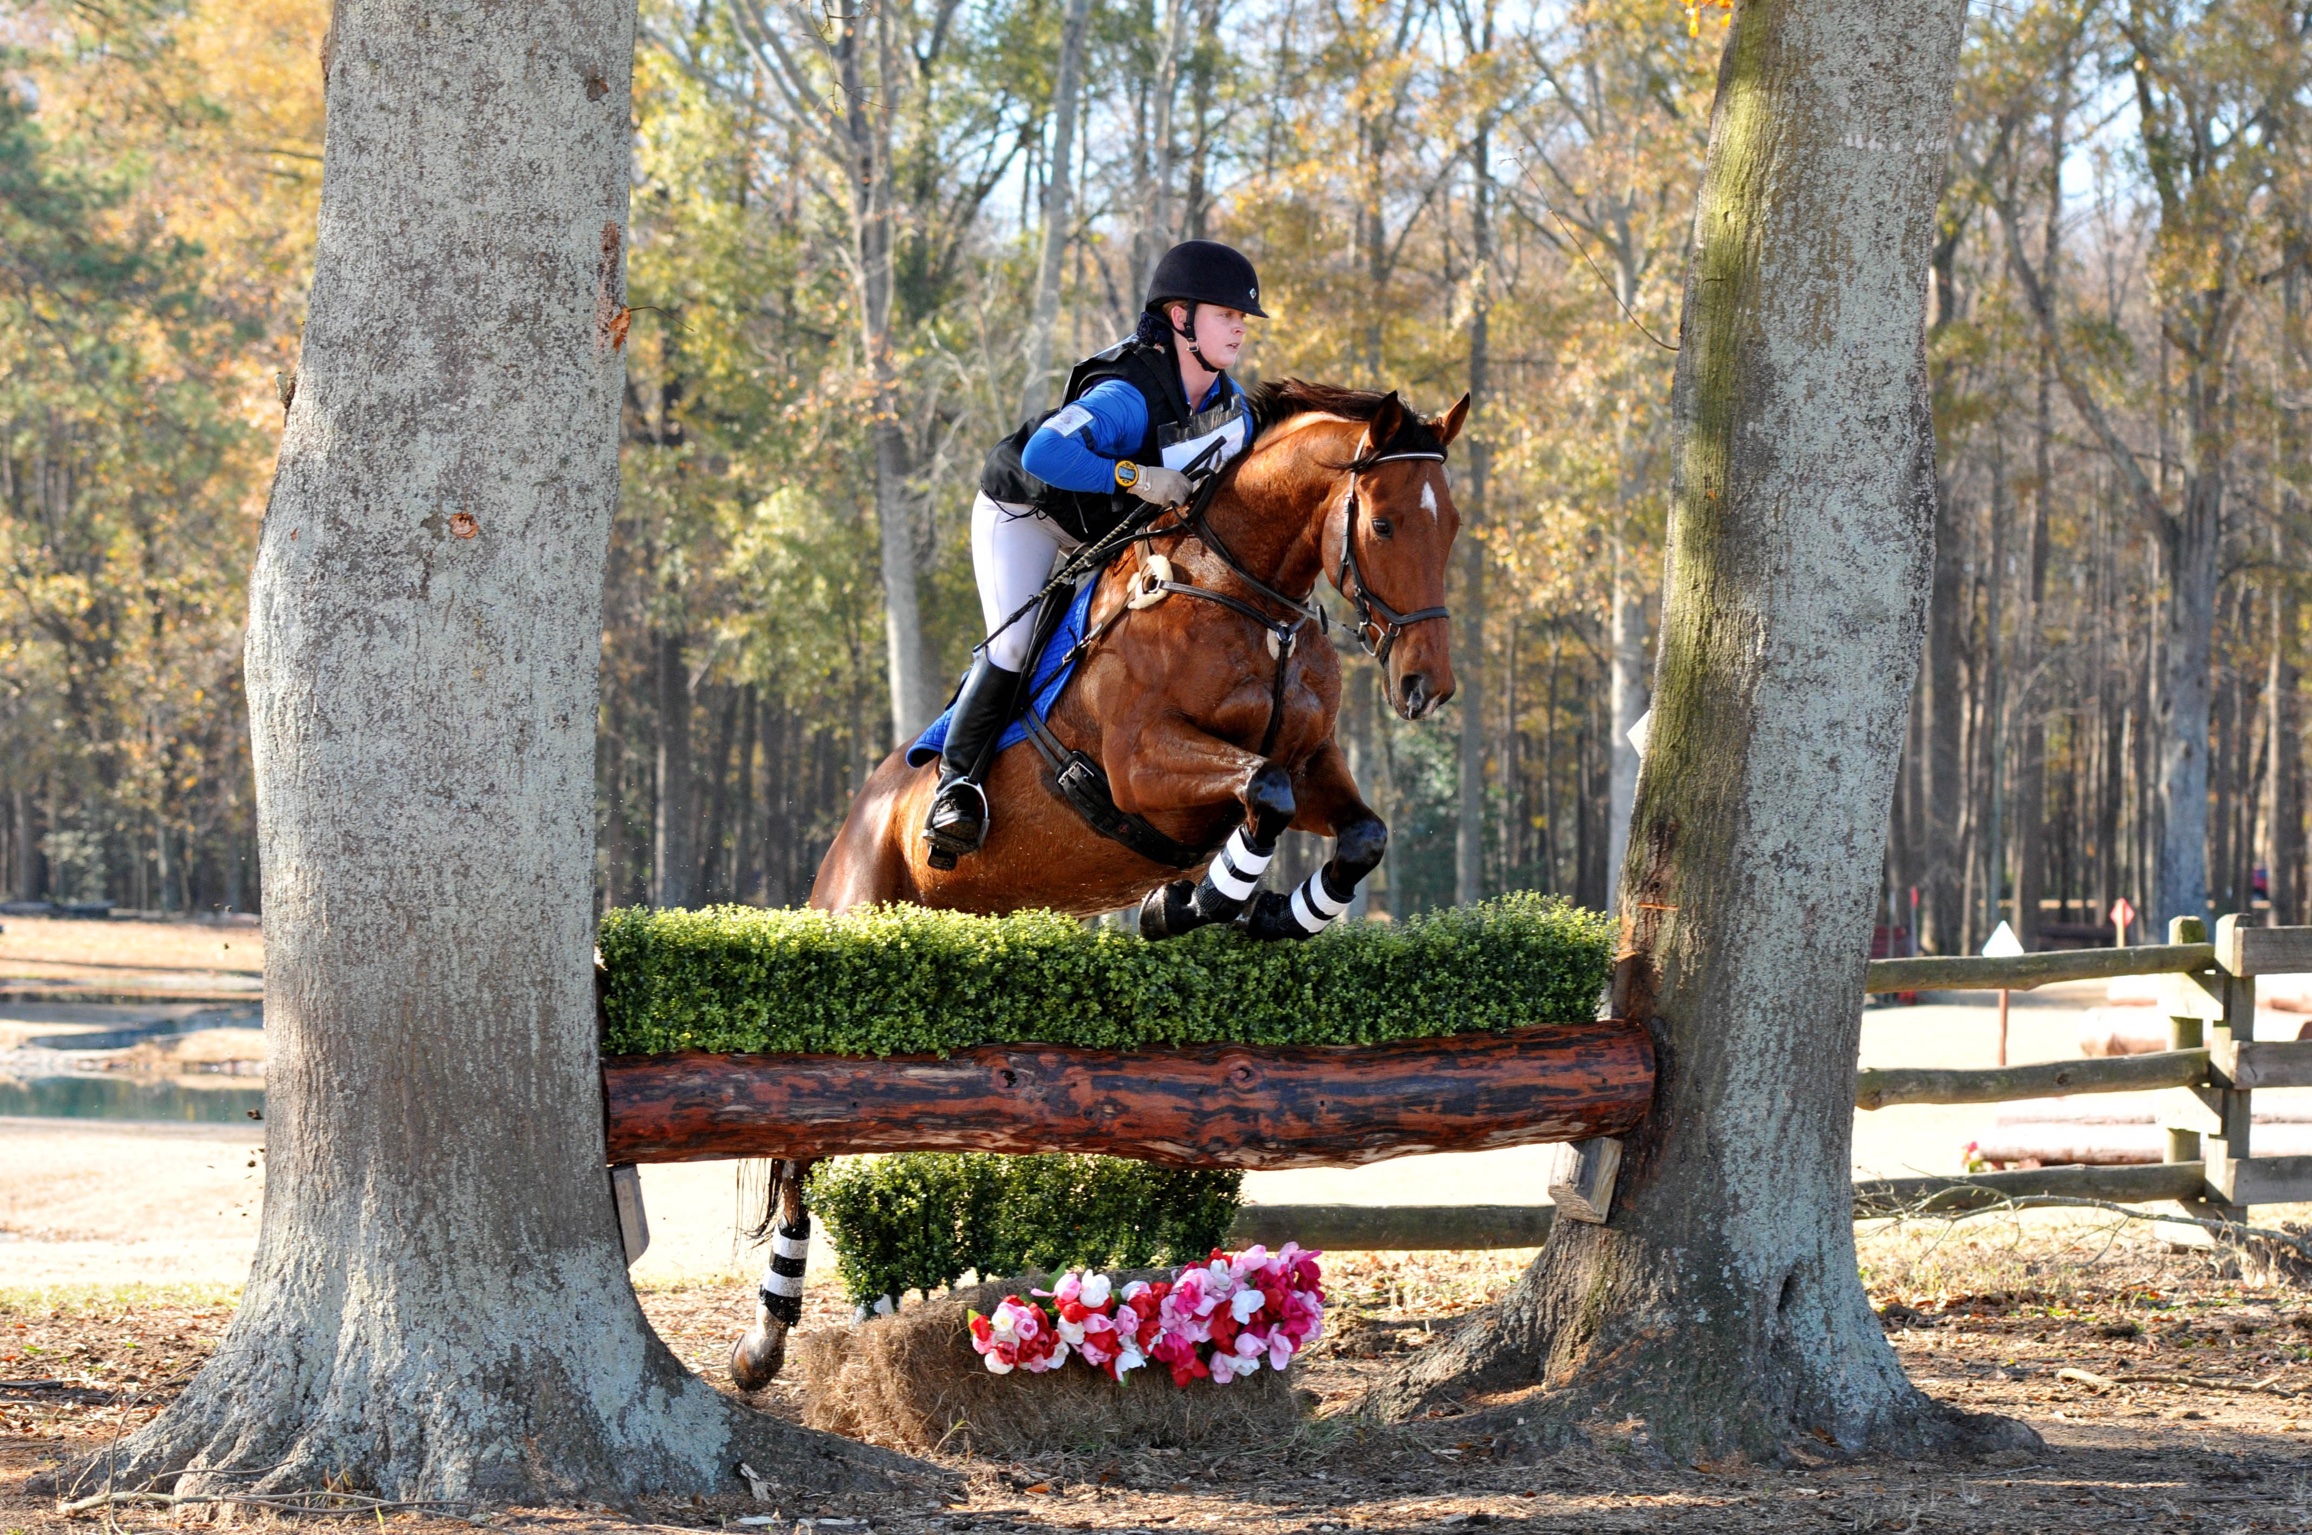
(1207, 716)
(1203, 693)
(1132, 418)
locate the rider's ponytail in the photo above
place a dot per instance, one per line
(1155, 329)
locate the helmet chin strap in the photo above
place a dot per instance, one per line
(1187, 333)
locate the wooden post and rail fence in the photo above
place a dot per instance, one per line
(2211, 1168)
(1236, 1106)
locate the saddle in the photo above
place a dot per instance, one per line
(1080, 780)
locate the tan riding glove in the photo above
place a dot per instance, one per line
(1159, 486)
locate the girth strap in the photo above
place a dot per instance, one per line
(1083, 785)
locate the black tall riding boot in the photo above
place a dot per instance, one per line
(958, 820)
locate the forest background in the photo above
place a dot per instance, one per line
(851, 230)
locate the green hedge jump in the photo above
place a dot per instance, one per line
(903, 980)
(922, 1220)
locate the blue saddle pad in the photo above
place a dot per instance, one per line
(1052, 670)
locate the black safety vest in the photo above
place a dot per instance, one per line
(1090, 515)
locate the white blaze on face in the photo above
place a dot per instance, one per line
(1429, 497)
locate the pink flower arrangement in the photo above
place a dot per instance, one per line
(1218, 1320)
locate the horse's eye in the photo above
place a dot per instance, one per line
(1383, 527)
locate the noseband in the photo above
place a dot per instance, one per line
(1372, 613)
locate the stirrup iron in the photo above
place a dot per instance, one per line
(946, 845)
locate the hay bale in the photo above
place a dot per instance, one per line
(912, 1381)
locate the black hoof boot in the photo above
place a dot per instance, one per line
(757, 1358)
(1170, 911)
(1270, 917)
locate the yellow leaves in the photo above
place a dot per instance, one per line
(1694, 14)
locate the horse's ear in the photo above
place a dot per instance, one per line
(1388, 420)
(1450, 426)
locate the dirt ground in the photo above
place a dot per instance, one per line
(2190, 1405)
(2188, 1412)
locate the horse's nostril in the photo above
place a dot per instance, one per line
(1415, 691)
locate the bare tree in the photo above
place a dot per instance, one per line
(2207, 131)
(846, 81)
(1058, 212)
(1721, 1303)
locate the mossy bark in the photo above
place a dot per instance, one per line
(1721, 1305)
(439, 1307)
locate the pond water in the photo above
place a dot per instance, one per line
(109, 1097)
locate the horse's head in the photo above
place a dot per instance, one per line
(1392, 544)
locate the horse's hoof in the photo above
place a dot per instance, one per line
(1170, 911)
(1269, 917)
(757, 1358)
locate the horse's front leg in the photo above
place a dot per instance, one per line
(1175, 765)
(1329, 806)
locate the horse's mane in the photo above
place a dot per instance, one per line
(1274, 403)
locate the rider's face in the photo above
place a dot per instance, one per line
(1219, 332)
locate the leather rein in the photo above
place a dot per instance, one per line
(1080, 780)
(1372, 614)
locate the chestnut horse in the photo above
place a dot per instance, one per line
(1206, 694)
(1202, 718)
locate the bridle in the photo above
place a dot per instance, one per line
(1078, 778)
(1372, 613)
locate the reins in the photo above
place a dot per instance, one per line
(1283, 636)
(1079, 779)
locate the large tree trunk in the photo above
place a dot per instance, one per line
(439, 1306)
(2285, 855)
(1058, 209)
(670, 840)
(2193, 543)
(1721, 1305)
(1469, 840)
(1941, 914)
(1626, 690)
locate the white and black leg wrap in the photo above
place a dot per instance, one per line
(783, 1281)
(1235, 874)
(1315, 907)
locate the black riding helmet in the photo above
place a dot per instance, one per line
(1205, 272)
(1200, 272)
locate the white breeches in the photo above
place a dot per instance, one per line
(1013, 549)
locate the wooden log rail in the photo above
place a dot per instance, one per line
(1885, 1087)
(2028, 972)
(1221, 1105)
(1416, 1228)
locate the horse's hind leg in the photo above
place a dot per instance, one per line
(1330, 806)
(757, 1357)
(1233, 875)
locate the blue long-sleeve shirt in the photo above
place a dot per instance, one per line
(1078, 448)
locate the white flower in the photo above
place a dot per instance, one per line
(1243, 1304)
(1095, 1291)
(995, 1365)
